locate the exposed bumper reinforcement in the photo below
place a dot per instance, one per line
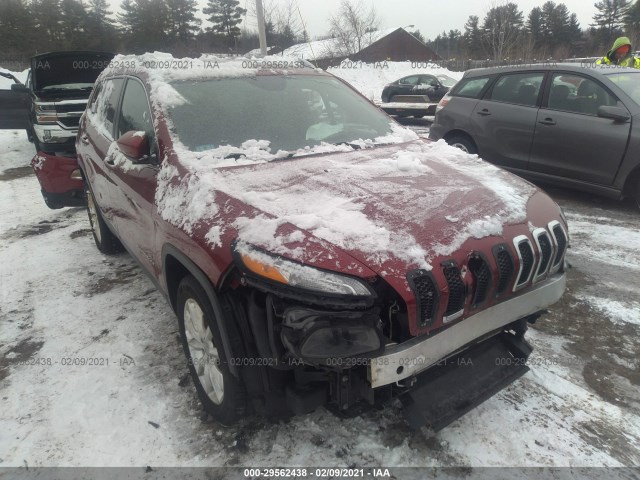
(446, 392)
(413, 357)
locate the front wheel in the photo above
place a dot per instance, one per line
(105, 240)
(222, 394)
(463, 143)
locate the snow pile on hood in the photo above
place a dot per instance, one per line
(370, 78)
(378, 202)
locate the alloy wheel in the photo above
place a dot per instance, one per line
(203, 352)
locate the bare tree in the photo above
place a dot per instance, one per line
(282, 22)
(353, 27)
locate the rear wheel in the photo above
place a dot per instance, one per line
(222, 395)
(463, 143)
(105, 240)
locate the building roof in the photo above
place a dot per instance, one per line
(331, 47)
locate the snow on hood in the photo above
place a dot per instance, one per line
(380, 205)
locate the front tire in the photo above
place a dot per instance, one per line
(222, 395)
(105, 240)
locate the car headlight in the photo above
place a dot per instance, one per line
(290, 273)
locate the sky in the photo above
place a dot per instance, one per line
(431, 17)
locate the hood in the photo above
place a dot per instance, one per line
(400, 207)
(617, 44)
(70, 71)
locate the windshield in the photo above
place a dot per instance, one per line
(446, 80)
(629, 82)
(290, 112)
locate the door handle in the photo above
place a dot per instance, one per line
(484, 112)
(84, 139)
(547, 121)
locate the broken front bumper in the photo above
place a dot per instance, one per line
(417, 355)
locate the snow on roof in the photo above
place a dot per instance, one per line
(331, 47)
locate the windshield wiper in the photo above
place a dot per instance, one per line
(355, 146)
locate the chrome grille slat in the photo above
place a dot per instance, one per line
(527, 258)
(546, 249)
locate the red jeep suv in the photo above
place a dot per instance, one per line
(314, 251)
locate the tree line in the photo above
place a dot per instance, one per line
(36, 26)
(550, 31)
(547, 32)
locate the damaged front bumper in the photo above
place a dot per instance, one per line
(60, 180)
(415, 356)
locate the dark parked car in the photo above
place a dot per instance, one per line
(433, 87)
(299, 275)
(561, 124)
(49, 107)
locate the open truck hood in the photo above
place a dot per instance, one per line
(66, 69)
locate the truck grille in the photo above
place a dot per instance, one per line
(481, 271)
(457, 292)
(506, 267)
(426, 292)
(527, 259)
(69, 122)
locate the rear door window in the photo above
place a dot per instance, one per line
(518, 88)
(470, 87)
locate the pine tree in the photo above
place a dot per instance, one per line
(609, 20)
(473, 37)
(632, 23)
(225, 15)
(101, 26)
(73, 24)
(144, 23)
(183, 24)
(47, 18)
(536, 27)
(16, 27)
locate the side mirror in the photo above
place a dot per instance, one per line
(19, 87)
(135, 145)
(435, 84)
(614, 113)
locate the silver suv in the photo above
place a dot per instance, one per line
(564, 124)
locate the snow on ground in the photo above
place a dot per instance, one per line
(370, 78)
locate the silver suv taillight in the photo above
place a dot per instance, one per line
(443, 102)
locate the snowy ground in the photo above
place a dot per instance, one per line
(62, 300)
